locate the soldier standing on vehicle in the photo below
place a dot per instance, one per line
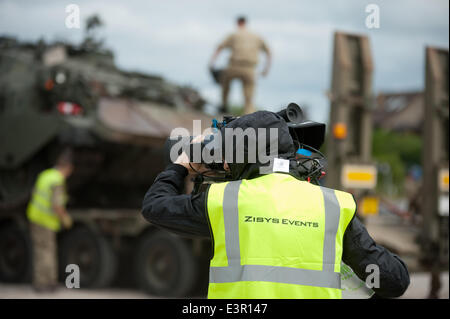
(245, 47)
(46, 212)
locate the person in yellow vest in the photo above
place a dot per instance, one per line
(274, 235)
(245, 47)
(46, 213)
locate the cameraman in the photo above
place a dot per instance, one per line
(274, 235)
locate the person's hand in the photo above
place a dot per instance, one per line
(67, 221)
(192, 168)
(211, 63)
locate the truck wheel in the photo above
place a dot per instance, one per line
(15, 254)
(165, 265)
(92, 253)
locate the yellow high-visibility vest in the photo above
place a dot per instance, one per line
(40, 209)
(276, 237)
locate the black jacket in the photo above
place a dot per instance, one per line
(165, 206)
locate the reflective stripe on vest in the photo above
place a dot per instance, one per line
(40, 209)
(236, 271)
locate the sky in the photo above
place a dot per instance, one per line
(176, 38)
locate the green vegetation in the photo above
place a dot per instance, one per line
(400, 151)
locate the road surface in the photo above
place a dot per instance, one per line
(417, 290)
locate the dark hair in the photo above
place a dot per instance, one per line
(65, 158)
(241, 20)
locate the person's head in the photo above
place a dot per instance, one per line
(64, 163)
(266, 121)
(241, 21)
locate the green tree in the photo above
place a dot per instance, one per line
(400, 151)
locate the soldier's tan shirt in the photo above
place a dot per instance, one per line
(245, 47)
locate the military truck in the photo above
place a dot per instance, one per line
(58, 95)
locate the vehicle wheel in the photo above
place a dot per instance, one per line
(15, 254)
(201, 287)
(165, 265)
(92, 253)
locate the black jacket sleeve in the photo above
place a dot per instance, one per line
(165, 206)
(360, 250)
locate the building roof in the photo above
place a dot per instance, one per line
(401, 112)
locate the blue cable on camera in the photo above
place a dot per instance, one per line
(304, 152)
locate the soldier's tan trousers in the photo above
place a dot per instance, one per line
(247, 76)
(45, 262)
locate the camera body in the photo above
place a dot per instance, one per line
(308, 136)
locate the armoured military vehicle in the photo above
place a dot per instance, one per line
(58, 95)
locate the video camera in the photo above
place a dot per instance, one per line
(308, 136)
